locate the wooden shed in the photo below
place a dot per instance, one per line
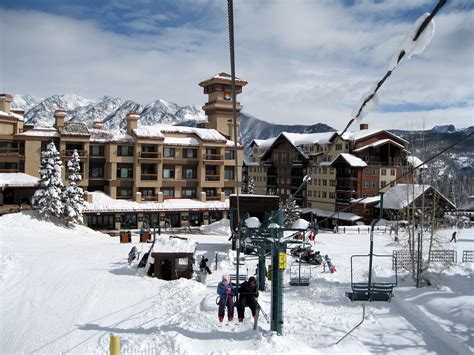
(173, 258)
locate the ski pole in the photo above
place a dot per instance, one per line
(264, 314)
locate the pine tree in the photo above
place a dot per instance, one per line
(72, 196)
(291, 211)
(251, 186)
(48, 195)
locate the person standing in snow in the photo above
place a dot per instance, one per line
(224, 290)
(453, 237)
(248, 298)
(203, 265)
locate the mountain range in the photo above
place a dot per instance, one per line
(455, 165)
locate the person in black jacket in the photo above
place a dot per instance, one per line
(203, 265)
(248, 294)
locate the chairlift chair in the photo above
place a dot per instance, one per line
(299, 274)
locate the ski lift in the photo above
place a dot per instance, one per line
(370, 291)
(299, 274)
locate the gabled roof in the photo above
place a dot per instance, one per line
(378, 144)
(222, 78)
(402, 195)
(263, 143)
(365, 133)
(350, 159)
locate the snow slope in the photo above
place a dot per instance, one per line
(66, 290)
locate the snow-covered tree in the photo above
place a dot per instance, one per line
(251, 186)
(48, 195)
(291, 211)
(72, 196)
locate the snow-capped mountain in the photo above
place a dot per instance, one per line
(109, 110)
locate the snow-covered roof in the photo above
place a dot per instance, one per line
(185, 141)
(173, 245)
(298, 139)
(222, 76)
(103, 136)
(263, 143)
(17, 180)
(40, 132)
(378, 144)
(351, 160)
(230, 143)
(415, 161)
(343, 216)
(74, 129)
(157, 131)
(366, 200)
(364, 133)
(12, 114)
(102, 202)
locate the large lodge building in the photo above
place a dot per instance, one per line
(146, 164)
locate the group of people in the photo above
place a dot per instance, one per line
(247, 293)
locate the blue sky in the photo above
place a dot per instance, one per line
(306, 61)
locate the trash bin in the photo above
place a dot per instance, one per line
(125, 237)
(144, 237)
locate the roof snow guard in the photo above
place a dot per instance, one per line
(352, 160)
(222, 78)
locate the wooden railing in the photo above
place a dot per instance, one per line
(149, 176)
(213, 177)
(69, 152)
(149, 155)
(213, 157)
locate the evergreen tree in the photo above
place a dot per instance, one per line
(291, 211)
(72, 196)
(251, 186)
(48, 195)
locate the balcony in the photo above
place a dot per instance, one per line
(213, 157)
(213, 177)
(11, 152)
(68, 153)
(149, 155)
(149, 176)
(213, 198)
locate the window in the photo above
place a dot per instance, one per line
(168, 191)
(124, 192)
(189, 153)
(325, 182)
(229, 173)
(323, 194)
(125, 151)
(374, 184)
(392, 172)
(230, 154)
(96, 171)
(339, 146)
(383, 172)
(366, 184)
(227, 96)
(383, 184)
(147, 191)
(188, 192)
(210, 191)
(310, 193)
(168, 172)
(367, 172)
(228, 191)
(189, 173)
(96, 150)
(373, 172)
(149, 172)
(148, 148)
(332, 195)
(124, 171)
(168, 152)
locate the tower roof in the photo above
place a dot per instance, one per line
(222, 78)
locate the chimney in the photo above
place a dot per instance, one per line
(98, 125)
(5, 102)
(132, 121)
(59, 116)
(18, 111)
(364, 126)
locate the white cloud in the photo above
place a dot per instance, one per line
(306, 62)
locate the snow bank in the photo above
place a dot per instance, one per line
(300, 224)
(221, 227)
(252, 222)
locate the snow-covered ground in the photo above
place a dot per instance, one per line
(66, 290)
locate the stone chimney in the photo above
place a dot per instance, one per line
(98, 125)
(5, 102)
(364, 126)
(132, 121)
(59, 117)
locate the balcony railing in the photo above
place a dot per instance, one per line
(213, 157)
(11, 151)
(213, 177)
(149, 176)
(212, 198)
(69, 152)
(149, 155)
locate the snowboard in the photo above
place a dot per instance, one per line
(330, 265)
(132, 255)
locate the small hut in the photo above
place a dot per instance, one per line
(173, 258)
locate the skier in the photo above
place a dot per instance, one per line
(225, 290)
(203, 266)
(248, 298)
(453, 237)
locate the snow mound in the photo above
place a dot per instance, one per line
(221, 227)
(252, 222)
(174, 245)
(300, 224)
